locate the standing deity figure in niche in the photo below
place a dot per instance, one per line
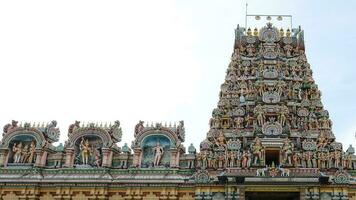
(257, 150)
(25, 154)
(282, 117)
(85, 151)
(158, 153)
(32, 152)
(17, 149)
(260, 113)
(287, 150)
(322, 141)
(97, 160)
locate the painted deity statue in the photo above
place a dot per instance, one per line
(85, 151)
(158, 153)
(260, 114)
(257, 150)
(322, 141)
(220, 141)
(287, 150)
(25, 154)
(97, 161)
(17, 149)
(31, 152)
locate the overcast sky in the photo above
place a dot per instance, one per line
(154, 60)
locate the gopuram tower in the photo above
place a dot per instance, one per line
(270, 120)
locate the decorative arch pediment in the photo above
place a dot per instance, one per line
(87, 131)
(162, 131)
(38, 136)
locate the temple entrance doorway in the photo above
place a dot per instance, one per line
(272, 195)
(272, 156)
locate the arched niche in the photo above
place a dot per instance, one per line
(98, 152)
(92, 146)
(102, 134)
(149, 143)
(22, 149)
(6, 141)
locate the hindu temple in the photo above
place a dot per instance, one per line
(270, 137)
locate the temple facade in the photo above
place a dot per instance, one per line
(270, 137)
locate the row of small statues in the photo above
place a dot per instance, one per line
(246, 159)
(24, 153)
(289, 90)
(287, 50)
(293, 73)
(255, 32)
(215, 160)
(303, 123)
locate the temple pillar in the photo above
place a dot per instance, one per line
(107, 161)
(69, 162)
(3, 157)
(302, 194)
(137, 157)
(174, 153)
(38, 160)
(43, 158)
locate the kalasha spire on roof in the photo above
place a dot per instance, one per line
(270, 110)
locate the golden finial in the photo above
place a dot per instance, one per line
(249, 32)
(288, 33)
(255, 32)
(281, 32)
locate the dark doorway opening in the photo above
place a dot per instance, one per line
(272, 156)
(272, 195)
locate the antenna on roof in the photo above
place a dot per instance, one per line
(246, 15)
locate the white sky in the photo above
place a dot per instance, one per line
(154, 60)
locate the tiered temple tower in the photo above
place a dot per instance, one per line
(270, 111)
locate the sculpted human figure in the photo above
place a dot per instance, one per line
(260, 115)
(282, 117)
(32, 152)
(309, 159)
(287, 150)
(24, 154)
(337, 157)
(322, 141)
(295, 159)
(244, 159)
(97, 160)
(17, 149)
(204, 160)
(221, 159)
(85, 150)
(257, 150)
(158, 153)
(220, 141)
(232, 159)
(239, 122)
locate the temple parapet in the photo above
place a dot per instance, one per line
(158, 145)
(27, 144)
